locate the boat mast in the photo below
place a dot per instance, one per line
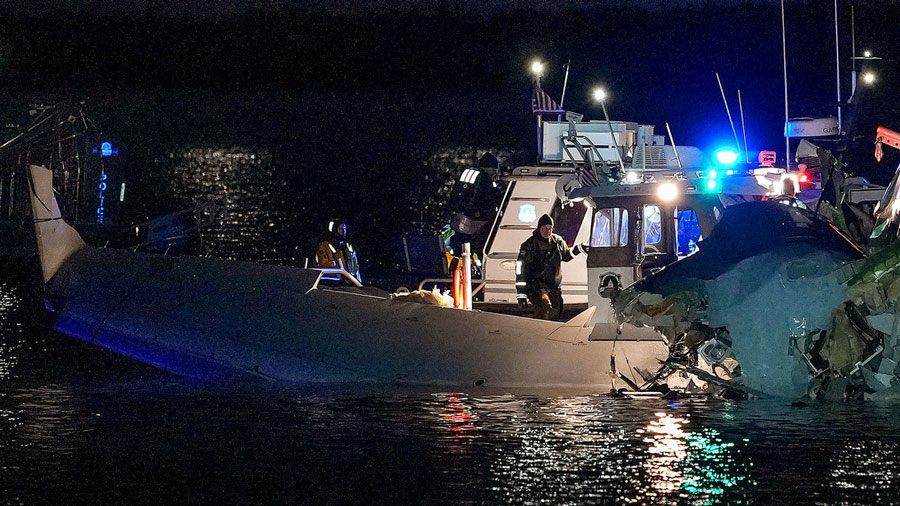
(743, 128)
(737, 143)
(562, 99)
(837, 65)
(787, 140)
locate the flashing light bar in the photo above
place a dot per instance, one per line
(726, 156)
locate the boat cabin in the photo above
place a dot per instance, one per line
(639, 203)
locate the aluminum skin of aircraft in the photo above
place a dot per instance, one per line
(217, 319)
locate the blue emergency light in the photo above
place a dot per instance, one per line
(726, 156)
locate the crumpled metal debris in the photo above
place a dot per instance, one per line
(855, 356)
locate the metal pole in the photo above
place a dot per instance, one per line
(787, 140)
(743, 128)
(853, 52)
(562, 100)
(837, 64)
(467, 275)
(737, 143)
(540, 147)
(613, 135)
(677, 158)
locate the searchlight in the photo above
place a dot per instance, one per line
(667, 191)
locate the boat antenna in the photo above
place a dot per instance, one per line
(562, 99)
(787, 140)
(743, 128)
(853, 52)
(737, 144)
(677, 158)
(837, 64)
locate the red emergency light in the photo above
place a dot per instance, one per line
(766, 158)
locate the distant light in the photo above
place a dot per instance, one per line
(527, 213)
(632, 177)
(599, 94)
(867, 53)
(537, 68)
(667, 191)
(712, 184)
(869, 78)
(713, 174)
(726, 156)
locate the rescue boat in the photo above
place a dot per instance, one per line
(211, 318)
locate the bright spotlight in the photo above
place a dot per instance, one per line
(537, 68)
(726, 156)
(599, 94)
(667, 191)
(712, 184)
(867, 54)
(632, 177)
(868, 78)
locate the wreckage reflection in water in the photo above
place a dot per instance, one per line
(77, 422)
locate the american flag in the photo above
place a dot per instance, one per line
(541, 103)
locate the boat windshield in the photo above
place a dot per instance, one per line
(688, 232)
(610, 228)
(567, 220)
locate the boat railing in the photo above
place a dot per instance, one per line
(476, 289)
(327, 272)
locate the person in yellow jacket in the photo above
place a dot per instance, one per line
(334, 250)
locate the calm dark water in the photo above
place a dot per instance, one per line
(79, 425)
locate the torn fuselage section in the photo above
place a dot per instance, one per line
(775, 303)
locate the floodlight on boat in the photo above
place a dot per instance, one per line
(712, 184)
(713, 174)
(632, 177)
(599, 94)
(537, 68)
(667, 191)
(867, 54)
(726, 156)
(868, 78)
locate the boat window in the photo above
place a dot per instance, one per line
(610, 228)
(567, 220)
(688, 232)
(652, 225)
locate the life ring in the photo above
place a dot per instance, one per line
(458, 289)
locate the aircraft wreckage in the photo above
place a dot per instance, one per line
(746, 291)
(779, 302)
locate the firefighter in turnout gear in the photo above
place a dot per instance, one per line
(538, 270)
(334, 251)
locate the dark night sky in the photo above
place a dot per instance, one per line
(658, 59)
(394, 81)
